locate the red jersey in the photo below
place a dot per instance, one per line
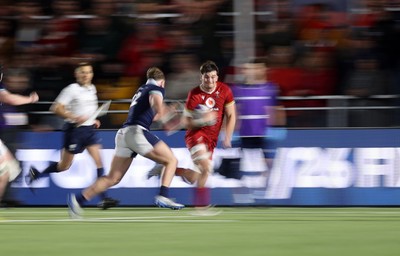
(217, 100)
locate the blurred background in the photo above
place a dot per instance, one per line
(336, 62)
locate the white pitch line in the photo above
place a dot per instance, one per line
(242, 212)
(164, 221)
(117, 220)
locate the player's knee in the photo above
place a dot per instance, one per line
(171, 161)
(193, 178)
(10, 169)
(63, 167)
(4, 176)
(204, 166)
(174, 161)
(112, 180)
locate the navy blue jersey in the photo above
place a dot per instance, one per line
(140, 111)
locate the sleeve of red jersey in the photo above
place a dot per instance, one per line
(229, 99)
(190, 102)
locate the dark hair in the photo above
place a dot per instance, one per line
(259, 60)
(83, 64)
(208, 66)
(155, 73)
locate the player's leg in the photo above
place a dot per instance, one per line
(162, 154)
(73, 144)
(119, 166)
(188, 175)
(203, 167)
(198, 154)
(143, 142)
(122, 159)
(201, 159)
(94, 152)
(63, 165)
(4, 177)
(9, 168)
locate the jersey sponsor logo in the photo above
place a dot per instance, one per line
(210, 102)
(72, 147)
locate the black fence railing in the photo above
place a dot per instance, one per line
(325, 111)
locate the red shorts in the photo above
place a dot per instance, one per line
(200, 138)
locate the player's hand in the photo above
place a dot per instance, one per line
(34, 97)
(226, 143)
(97, 124)
(210, 118)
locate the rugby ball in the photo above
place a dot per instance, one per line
(199, 111)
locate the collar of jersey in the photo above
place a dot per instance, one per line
(151, 81)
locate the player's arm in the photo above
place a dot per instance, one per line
(158, 106)
(190, 120)
(187, 120)
(230, 122)
(16, 99)
(277, 115)
(60, 110)
(59, 106)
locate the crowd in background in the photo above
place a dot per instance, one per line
(312, 50)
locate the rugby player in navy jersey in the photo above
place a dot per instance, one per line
(76, 103)
(135, 138)
(9, 166)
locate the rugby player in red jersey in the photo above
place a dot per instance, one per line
(217, 103)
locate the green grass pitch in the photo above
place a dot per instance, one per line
(240, 231)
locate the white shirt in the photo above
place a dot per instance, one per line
(79, 100)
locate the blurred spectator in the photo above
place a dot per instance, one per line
(283, 72)
(203, 18)
(144, 7)
(367, 79)
(146, 40)
(366, 13)
(180, 40)
(65, 14)
(7, 41)
(124, 37)
(7, 8)
(98, 39)
(311, 18)
(317, 78)
(183, 77)
(277, 28)
(29, 24)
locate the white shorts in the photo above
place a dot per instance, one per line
(133, 140)
(8, 164)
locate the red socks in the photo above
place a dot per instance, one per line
(202, 197)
